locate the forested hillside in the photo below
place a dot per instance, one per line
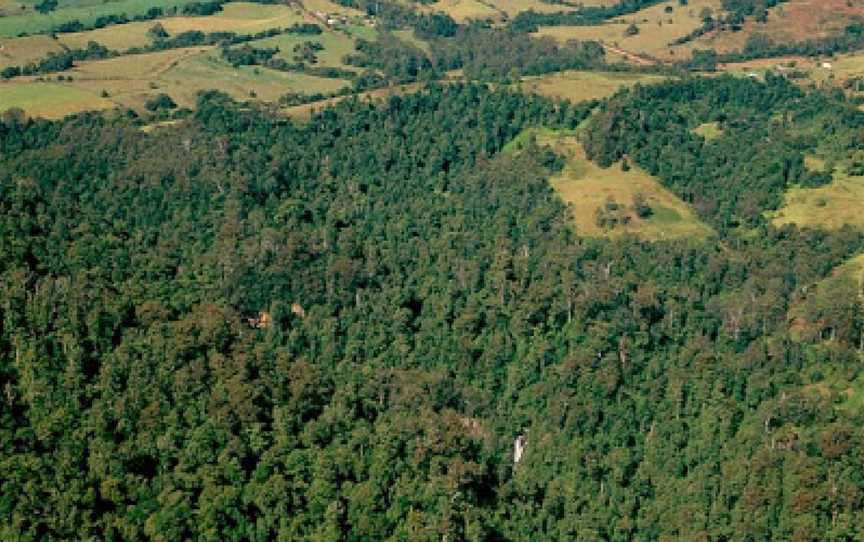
(239, 328)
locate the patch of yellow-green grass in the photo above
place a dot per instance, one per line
(709, 130)
(9, 8)
(127, 80)
(49, 100)
(408, 37)
(362, 31)
(588, 188)
(656, 28)
(827, 207)
(21, 51)
(304, 111)
(853, 268)
(207, 71)
(515, 7)
(156, 125)
(579, 86)
(336, 46)
(463, 10)
(850, 273)
(146, 66)
(814, 163)
(854, 397)
(119, 37)
(329, 8)
(239, 17)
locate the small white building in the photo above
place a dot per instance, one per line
(827, 65)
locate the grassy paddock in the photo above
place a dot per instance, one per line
(579, 86)
(21, 51)
(304, 111)
(50, 100)
(336, 46)
(587, 187)
(463, 10)
(827, 207)
(206, 71)
(328, 7)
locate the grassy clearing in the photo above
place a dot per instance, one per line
(336, 46)
(408, 37)
(362, 31)
(144, 66)
(156, 125)
(709, 130)
(117, 38)
(587, 188)
(328, 7)
(657, 28)
(579, 86)
(853, 393)
(814, 163)
(50, 100)
(463, 10)
(239, 17)
(131, 80)
(305, 111)
(826, 207)
(206, 71)
(21, 51)
(803, 328)
(514, 7)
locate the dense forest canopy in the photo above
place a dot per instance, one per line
(239, 328)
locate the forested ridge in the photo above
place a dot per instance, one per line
(239, 328)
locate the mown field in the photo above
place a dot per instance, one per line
(709, 130)
(588, 188)
(464, 10)
(304, 111)
(579, 86)
(51, 100)
(21, 51)
(827, 207)
(336, 46)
